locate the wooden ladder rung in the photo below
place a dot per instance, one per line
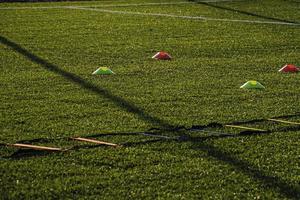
(95, 141)
(284, 121)
(35, 147)
(246, 128)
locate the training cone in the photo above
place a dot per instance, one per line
(103, 71)
(252, 85)
(162, 56)
(289, 68)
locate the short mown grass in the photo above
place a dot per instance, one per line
(48, 94)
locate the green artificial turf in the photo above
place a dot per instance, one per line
(48, 94)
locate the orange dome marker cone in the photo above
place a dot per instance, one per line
(289, 68)
(162, 56)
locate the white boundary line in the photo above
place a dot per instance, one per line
(183, 16)
(142, 4)
(89, 8)
(33, 7)
(98, 6)
(215, 1)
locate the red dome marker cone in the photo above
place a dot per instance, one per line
(289, 68)
(162, 56)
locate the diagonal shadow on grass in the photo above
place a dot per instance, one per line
(286, 189)
(28, 153)
(242, 166)
(244, 12)
(120, 102)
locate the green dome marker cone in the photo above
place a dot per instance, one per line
(252, 85)
(103, 71)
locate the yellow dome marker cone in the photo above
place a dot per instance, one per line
(103, 71)
(252, 85)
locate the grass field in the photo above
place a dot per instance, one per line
(48, 94)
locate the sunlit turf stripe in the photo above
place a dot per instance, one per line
(284, 121)
(35, 147)
(244, 127)
(182, 16)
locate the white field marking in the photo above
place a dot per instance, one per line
(33, 7)
(216, 1)
(142, 4)
(113, 5)
(97, 6)
(182, 16)
(154, 14)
